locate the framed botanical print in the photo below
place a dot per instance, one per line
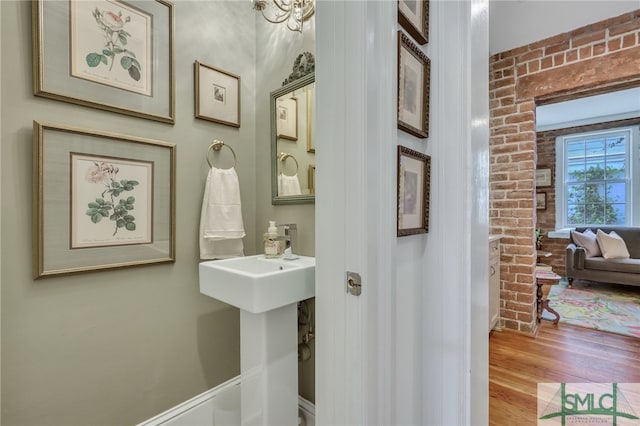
(217, 95)
(414, 74)
(106, 54)
(414, 175)
(413, 15)
(101, 200)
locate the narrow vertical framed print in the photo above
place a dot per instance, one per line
(414, 175)
(101, 200)
(414, 75)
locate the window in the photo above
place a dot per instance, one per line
(595, 186)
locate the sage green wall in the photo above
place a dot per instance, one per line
(117, 347)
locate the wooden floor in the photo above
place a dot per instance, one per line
(563, 353)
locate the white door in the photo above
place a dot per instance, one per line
(353, 226)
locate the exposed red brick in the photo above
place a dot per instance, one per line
(558, 60)
(518, 118)
(509, 81)
(571, 56)
(532, 54)
(584, 52)
(599, 49)
(546, 62)
(590, 73)
(555, 48)
(533, 66)
(628, 40)
(560, 38)
(624, 28)
(509, 100)
(525, 316)
(614, 44)
(587, 38)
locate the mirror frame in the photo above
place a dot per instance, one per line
(291, 199)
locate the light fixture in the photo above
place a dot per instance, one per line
(294, 12)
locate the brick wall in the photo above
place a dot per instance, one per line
(600, 57)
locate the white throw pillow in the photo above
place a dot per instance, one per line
(587, 239)
(612, 245)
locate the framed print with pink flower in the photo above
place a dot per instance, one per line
(106, 54)
(102, 200)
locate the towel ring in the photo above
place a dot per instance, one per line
(217, 145)
(284, 155)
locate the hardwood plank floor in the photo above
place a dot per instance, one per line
(559, 354)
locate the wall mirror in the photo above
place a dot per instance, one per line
(292, 142)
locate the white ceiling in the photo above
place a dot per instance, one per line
(595, 109)
(515, 23)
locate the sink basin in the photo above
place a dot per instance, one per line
(257, 284)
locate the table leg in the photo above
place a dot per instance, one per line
(545, 305)
(539, 306)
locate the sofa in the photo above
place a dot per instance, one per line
(581, 263)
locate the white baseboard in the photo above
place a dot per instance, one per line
(201, 407)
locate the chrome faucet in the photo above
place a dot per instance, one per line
(291, 236)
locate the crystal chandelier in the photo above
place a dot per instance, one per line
(294, 12)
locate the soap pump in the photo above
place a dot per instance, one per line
(271, 244)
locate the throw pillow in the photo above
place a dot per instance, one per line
(587, 239)
(612, 245)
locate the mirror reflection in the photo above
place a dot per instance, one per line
(292, 142)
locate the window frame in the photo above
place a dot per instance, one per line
(632, 174)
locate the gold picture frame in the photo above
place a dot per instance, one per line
(133, 74)
(413, 15)
(414, 75)
(414, 176)
(101, 200)
(217, 95)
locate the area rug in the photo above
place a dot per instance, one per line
(608, 307)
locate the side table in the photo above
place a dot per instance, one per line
(545, 278)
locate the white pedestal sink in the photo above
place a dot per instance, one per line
(267, 292)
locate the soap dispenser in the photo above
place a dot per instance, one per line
(271, 244)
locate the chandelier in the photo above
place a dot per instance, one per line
(294, 12)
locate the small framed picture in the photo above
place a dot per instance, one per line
(414, 173)
(541, 200)
(101, 200)
(414, 74)
(217, 95)
(287, 118)
(413, 15)
(544, 176)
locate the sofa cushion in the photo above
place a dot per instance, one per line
(613, 265)
(587, 239)
(612, 245)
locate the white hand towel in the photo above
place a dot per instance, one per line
(288, 185)
(221, 226)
